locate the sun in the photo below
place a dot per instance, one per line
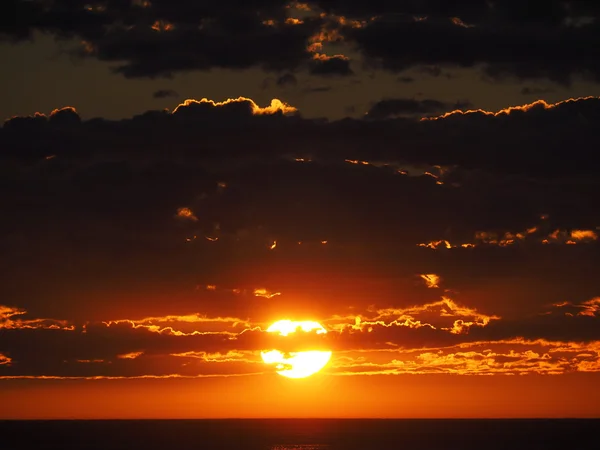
(296, 364)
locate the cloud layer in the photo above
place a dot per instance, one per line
(553, 40)
(163, 245)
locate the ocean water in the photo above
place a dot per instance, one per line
(300, 434)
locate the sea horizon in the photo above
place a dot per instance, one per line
(297, 434)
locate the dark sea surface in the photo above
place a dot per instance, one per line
(300, 434)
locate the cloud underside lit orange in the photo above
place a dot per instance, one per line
(542, 104)
(442, 337)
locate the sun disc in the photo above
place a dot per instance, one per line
(296, 364)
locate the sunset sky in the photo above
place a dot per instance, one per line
(419, 177)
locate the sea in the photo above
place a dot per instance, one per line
(301, 434)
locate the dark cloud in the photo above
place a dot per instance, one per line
(234, 209)
(516, 133)
(552, 40)
(331, 66)
(287, 79)
(159, 38)
(165, 93)
(388, 108)
(527, 90)
(318, 89)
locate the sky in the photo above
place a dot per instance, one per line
(418, 177)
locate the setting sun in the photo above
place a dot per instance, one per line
(296, 364)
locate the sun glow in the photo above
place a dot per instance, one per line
(296, 364)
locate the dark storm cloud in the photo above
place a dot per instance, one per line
(387, 108)
(165, 93)
(552, 40)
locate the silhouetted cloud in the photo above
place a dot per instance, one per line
(318, 89)
(554, 41)
(287, 79)
(527, 90)
(330, 65)
(387, 108)
(165, 93)
(179, 235)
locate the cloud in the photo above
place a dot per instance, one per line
(8, 321)
(527, 90)
(389, 108)
(233, 108)
(165, 244)
(287, 79)
(318, 89)
(515, 37)
(393, 341)
(509, 357)
(132, 355)
(431, 280)
(164, 93)
(554, 42)
(330, 65)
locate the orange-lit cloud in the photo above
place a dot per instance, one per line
(382, 354)
(507, 111)
(431, 280)
(355, 161)
(276, 106)
(262, 292)
(186, 214)
(293, 21)
(461, 318)
(133, 377)
(161, 26)
(300, 6)
(508, 357)
(323, 58)
(445, 315)
(231, 356)
(8, 321)
(88, 48)
(64, 109)
(589, 308)
(186, 325)
(571, 238)
(132, 355)
(457, 21)
(506, 239)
